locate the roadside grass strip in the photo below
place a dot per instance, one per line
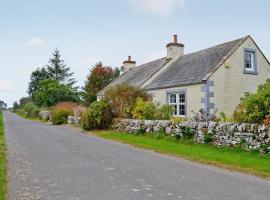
(3, 162)
(230, 158)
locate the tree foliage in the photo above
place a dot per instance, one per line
(100, 76)
(51, 92)
(57, 69)
(3, 105)
(122, 99)
(254, 108)
(57, 76)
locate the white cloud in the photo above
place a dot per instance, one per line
(35, 42)
(158, 7)
(6, 86)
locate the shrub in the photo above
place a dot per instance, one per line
(208, 137)
(77, 110)
(160, 134)
(139, 131)
(122, 99)
(97, 116)
(187, 132)
(60, 115)
(144, 109)
(164, 112)
(224, 118)
(254, 108)
(31, 110)
(177, 120)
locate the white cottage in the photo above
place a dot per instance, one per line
(213, 78)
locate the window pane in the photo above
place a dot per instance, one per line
(172, 98)
(182, 110)
(182, 98)
(175, 109)
(249, 56)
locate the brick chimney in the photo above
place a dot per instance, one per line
(128, 64)
(175, 49)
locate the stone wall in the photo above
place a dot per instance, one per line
(45, 115)
(248, 136)
(74, 120)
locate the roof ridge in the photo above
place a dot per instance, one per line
(149, 62)
(224, 43)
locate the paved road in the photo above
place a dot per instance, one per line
(50, 162)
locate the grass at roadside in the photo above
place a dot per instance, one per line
(3, 162)
(225, 157)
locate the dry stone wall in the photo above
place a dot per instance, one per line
(248, 136)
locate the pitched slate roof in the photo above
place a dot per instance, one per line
(193, 68)
(138, 75)
(188, 69)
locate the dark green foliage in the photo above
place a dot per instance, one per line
(100, 76)
(97, 116)
(52, 92)
(264, 148)
(187, 132)
(31, 110)
(254, 108)
(160, 134)
(15, 106)
(58, 74)
(60, 115)
(208, 137)
(24, 100)
(3, 105)
(57, 70)
(139, 131)
(36, 76)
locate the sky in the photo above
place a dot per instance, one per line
(88, 31)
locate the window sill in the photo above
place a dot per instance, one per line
(250, 72)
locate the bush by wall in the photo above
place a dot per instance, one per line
(122, 99)
(31, 110)
(97, 116)
(60, 115)
(254, 108)
(149, 110)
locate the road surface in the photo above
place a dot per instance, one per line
(56, 162)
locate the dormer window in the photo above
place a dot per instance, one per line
(250, 61)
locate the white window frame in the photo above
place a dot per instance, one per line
(252, 63)
(177, 103)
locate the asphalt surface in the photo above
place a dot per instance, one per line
(56, 162)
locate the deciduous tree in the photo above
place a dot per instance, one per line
(100, 76)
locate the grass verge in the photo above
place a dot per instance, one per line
(225, 157)
(3, 162)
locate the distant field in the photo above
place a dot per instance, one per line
(225, 157)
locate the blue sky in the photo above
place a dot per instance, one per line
(87, 31)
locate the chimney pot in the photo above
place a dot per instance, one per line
(175, 39)
(175, 49)
(128, 64)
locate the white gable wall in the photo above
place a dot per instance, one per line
(230, 83)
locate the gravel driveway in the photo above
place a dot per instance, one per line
(55, 162)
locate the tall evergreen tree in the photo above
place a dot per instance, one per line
(58, 70)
